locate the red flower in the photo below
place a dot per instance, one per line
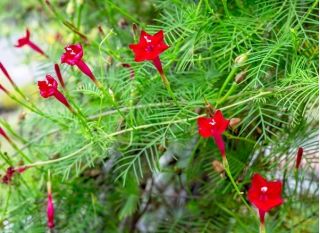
(26, 41)
(214, 127)
(73, 56)
(299, 157)
(49, 87)
(149, 48)
(7, 178)
(264, 194)
(3, 134)
(50, 208)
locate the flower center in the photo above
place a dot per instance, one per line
(213, 122)
(264, 189)
(149, 48)
(71, 51)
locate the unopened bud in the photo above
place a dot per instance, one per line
(240, 77)
(217, 166)
(111, 94)
(70, 8)
(234, 122)
(122, 23)
(79, 2)
(241, 59)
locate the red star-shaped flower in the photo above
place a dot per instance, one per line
(264, 194)
(149, 46)
(214, 127)
(73, 55)
(49, 87)
(23, 41)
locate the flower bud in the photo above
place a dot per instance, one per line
(217, 166)
(240, 77)
(70, 8)
(79, 2)
(234, 122)
(241, 59)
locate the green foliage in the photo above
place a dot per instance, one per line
(150, 171)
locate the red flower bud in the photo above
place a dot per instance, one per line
(50, 208)
(26, 41)
(58, 73)
(4, 89)
(5, 72)
(214, 127)
(3, 134)
(299, 157)
(7, 178)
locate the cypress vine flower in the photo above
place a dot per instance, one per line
(49, 87)
(26, 41)
(214, 127)
(264, 195)
(149, 48)
(50, 208)
(299, 157)
(73, 56)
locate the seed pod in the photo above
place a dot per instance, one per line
(241, 59)
(217, 166)
(234, 122)
(240, 77)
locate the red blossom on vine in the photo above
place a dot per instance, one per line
(49, 87)
(214, 127)
(264, 195)
(73, 56)
(149, 48)
(25, 41)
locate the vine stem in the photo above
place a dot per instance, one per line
(41, 163)
(228, 172)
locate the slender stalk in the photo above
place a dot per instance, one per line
(228, 79)
(227, 169)
(42, 163)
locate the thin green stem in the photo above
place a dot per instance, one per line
(42, 163)
(228, 79)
